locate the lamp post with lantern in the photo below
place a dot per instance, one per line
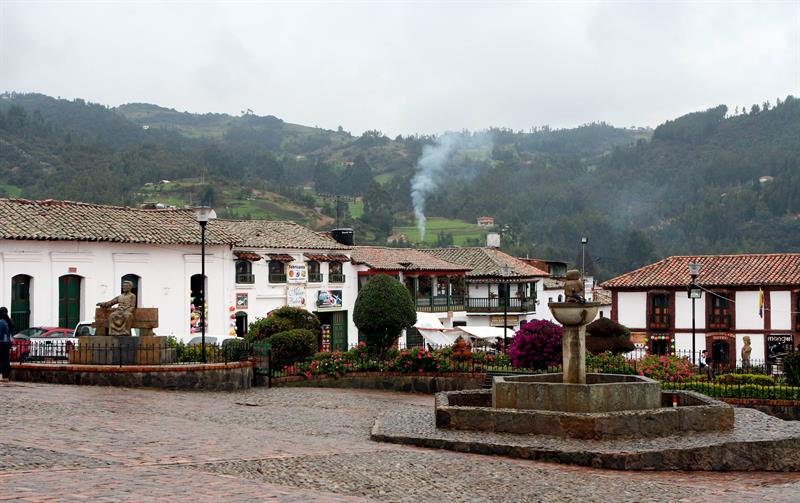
(203, 215)
(505, 272)
(694, 293)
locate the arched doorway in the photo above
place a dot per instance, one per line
(241, 324)
(135, 280)
(69, 300)
(197, 289)
(21, 301)
(722, 348)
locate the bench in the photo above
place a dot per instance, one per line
(144, 318)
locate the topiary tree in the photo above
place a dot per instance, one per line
(791, 368)
(536, 345)
(604, 335)
(382, 311)
(281, 320)
(292, 346)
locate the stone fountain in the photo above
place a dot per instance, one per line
(602, 420)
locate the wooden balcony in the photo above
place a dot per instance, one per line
(719, 321)
(245, 279)
(439, 303)
(662, 320)
(496, 305)
(315, 277)
(336, 278)
(277, 278)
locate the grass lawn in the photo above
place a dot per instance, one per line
(356, 209)
(11, 190)
(460, 230)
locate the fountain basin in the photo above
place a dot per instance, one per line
(472, 410)
(601, 393)
(574, 313)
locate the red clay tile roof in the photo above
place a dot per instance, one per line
(486, 262)
(716, 270)
(274, 234)
(327, 257)
(401, 259)
(72, 221)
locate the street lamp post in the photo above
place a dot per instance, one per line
(505, 272)
(584, 242)
(694, 294)
(203, 214)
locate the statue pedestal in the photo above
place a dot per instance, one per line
(122, 350)
(574, 317)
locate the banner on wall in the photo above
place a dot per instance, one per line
(241, 300)
(296, 295)
(329, 299)
(297, 273)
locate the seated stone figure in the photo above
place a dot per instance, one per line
(120, 319)
(573, 287)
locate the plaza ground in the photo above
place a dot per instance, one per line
(70, 443)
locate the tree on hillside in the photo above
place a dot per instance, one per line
(382, 311)
(356, 177)
(378, 209)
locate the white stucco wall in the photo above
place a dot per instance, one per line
(632, 309)
(758, 355)
(683, 344)
(746, 306)
(683, 311)
(780, 310)
(165, 273)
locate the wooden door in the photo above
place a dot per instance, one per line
(21, 302)
(69, 301)
(339, 331)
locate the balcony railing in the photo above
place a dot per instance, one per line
(490, 305)
(245, 278)
(336, 278)
(277, 278)
(719, 321)
(663, 320)
(440, 303)
(315, 277)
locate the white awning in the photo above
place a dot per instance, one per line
(484, 332)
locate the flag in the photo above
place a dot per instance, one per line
(761, 303)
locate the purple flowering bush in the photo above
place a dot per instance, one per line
(537, 345)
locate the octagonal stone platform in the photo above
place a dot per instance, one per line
(601, 393)
(694, 412)
(757, 442)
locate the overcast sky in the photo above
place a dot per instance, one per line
(409, 67)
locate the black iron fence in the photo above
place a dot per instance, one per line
(128, 352)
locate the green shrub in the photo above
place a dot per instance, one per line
(608, 363)
(665, 368)
(383, 309)
(604, 335)
(744, 391)
(282, 320)
(292, 346)
(791, 368)
(758, 379)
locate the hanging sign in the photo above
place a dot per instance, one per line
(297, 273)
(296, 295)
(329, 299)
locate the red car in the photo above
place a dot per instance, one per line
(39, 337)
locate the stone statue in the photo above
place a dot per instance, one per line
(746, 350)
(573, 287)
(120, 319)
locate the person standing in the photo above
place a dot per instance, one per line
(6, 329)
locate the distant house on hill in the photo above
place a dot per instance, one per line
(485, 221)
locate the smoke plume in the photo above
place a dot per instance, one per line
(433, 165)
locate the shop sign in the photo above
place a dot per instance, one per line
(329, 299)
(296, 295)
(297, 273)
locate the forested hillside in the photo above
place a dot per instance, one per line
(691, 186)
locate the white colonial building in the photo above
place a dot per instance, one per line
(59, 258)
(754, 295)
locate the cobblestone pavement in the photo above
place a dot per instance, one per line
(70, 443)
